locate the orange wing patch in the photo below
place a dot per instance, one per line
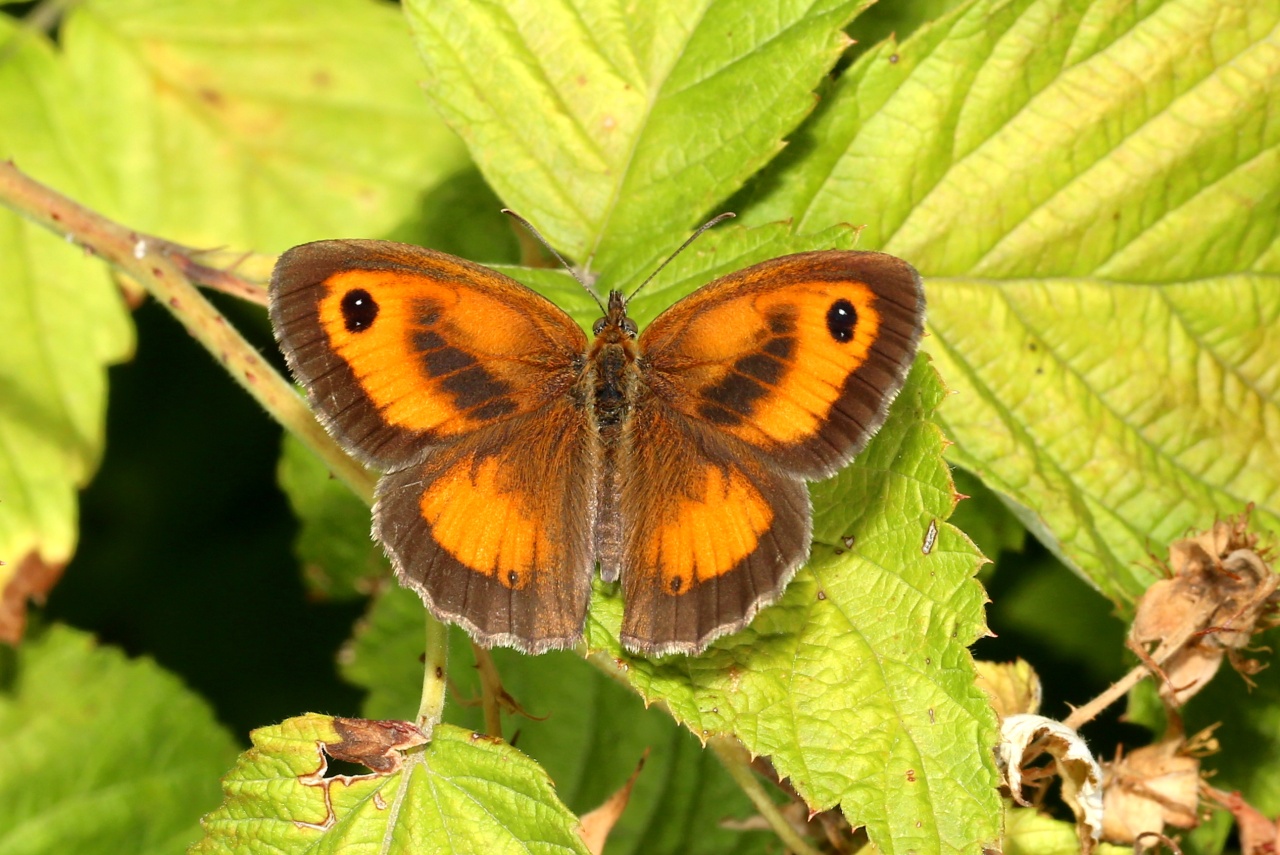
(494, 529)
(433, 356)
(706, 534)
(767, 368)
(513, 540)
(711, 534)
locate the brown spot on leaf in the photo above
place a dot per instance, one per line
(32, 579)
(212, 97)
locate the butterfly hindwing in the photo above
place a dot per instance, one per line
(712, 532)
(494, 531)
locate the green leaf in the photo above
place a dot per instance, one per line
(102, 754)
(985, 518)
(334, 545)
(256, 123)
(64, 322)
(895, 20)
(586, 730)
(615, 129)
(1039, 161)
(1029, 832)
(1119, 434)
(858, 685)
(460, 793)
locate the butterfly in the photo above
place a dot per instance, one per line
(521, 456)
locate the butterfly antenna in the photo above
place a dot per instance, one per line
(551, 249)
(727, 215)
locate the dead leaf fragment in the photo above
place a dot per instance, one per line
(1221, 592)
(374, 744)
(596, 824)
(1154, 786)
(30, 578)
(1012, 687)
(1259, 835)
(1023, 738)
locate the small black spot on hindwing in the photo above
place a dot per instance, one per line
(842, 317)
(359, 310)
(676, 584)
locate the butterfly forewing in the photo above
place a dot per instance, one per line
(401, 348)
(798, 357)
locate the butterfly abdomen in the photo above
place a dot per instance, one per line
(612, 379)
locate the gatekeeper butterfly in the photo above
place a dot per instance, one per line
(519, 455)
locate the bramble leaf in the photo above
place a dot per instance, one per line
(1089, 189)
(103, 754)
(858, 685)
(615, 130)
(460, 793)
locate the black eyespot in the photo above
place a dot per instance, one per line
(676, 584)
(598, 327)
(512, 578)
(358, 310)
(842, 317)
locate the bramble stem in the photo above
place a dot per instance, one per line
(160, 268)
(434, 669)
(737, 762)
(491, 691)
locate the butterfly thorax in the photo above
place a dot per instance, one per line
(613, 354)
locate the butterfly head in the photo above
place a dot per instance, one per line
(615, 323)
